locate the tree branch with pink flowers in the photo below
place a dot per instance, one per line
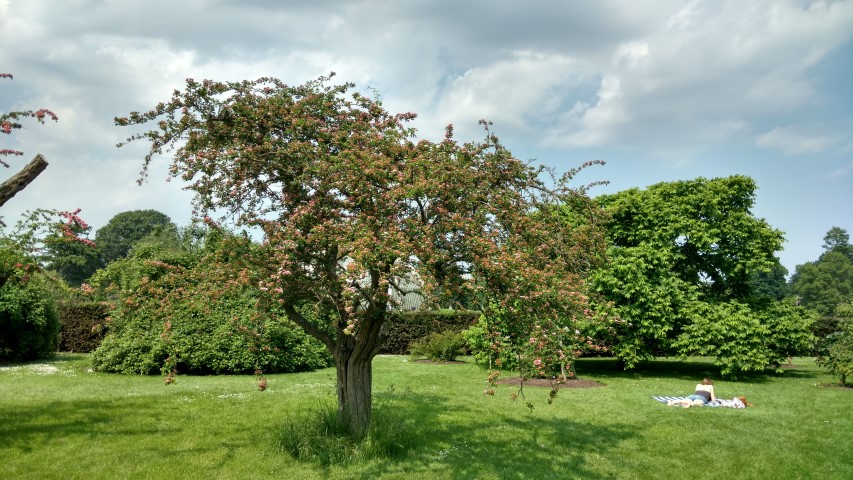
(11, 121)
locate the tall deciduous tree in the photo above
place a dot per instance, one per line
(117, 237)
(68, 252)
(686, 264)
(349, 205)
(824, 284)
(838, 240)
(707, 225)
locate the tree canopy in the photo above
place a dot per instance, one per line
(838, 240)
(350, 205)
(685, 275)
(707, 226)
(116, 238)
(827, 282)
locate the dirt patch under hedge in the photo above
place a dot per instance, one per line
(424, 360)
(533, 382)
(544, 382)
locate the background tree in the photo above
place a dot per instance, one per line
(685, 275)
(74, 260)
(837, 354)
(827, 282)
(10, 121)
(771, 284)
(349, 204)
(116, 238)
(838, 240)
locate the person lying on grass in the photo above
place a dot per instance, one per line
(704, 393)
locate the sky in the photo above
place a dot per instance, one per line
(660, 90)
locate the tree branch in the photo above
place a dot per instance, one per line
(20, 180)
(309, 327)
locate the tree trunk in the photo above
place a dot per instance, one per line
(354, 365)
(20, 180)
(355, 383)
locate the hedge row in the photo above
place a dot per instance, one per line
(82, 329)
(82, 326)
(403, 328)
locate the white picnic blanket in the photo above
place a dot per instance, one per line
(733, 403)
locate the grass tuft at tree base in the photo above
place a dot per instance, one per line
(319, 436)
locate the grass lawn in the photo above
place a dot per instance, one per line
(60, 421)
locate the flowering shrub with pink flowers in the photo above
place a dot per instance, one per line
(196, 313)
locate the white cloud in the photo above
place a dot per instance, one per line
(672, 88)
(795, 141)
(842, 171)
(514, 93)
(704, 65)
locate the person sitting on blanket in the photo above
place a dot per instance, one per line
(704, 393)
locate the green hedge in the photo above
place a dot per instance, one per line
(29, 323)
(82, 326)
(401, 329)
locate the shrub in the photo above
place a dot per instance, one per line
(746, 339)
(224, 340)
(205, 318)
(478, 341)
(29, 323)
(402, 329)
(82, 326)
(439, 346)
(838, 355)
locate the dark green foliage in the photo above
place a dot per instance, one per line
(771, 284)
(826, 326)
(439, 346)
(824, 284)
(117, 237)
(83, 325)
(75, 262)
(744, 338)
(401, 329)
(692, 271)
(837, 352)
(198, 313)
(29, 323)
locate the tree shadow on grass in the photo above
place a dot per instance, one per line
(672, 368)
(29, 428)
(497, 444)
(142, 431)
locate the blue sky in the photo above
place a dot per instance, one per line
(661, 90)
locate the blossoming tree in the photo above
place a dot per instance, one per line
(9, 122)
(350, 205)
